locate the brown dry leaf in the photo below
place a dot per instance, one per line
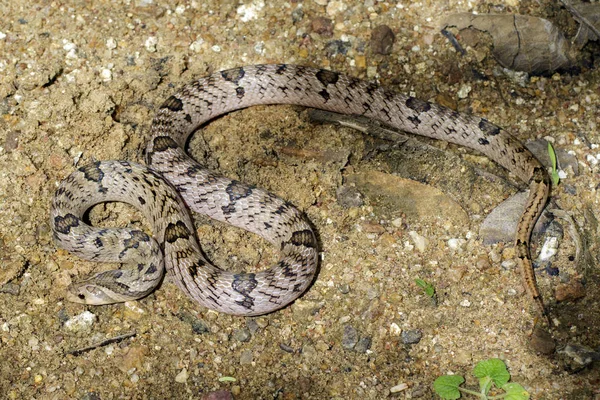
(520, 42)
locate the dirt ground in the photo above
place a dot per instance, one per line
(79, 82)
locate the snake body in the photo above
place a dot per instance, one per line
(174, 244)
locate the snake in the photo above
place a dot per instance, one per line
(172, 185)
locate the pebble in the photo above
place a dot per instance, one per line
(363, 345)
(542, 341)
(286, 348)
(242, 335)
(398, 388)
(349, 196)
(253, 326)
(323, 26)
(411, 336)
(350, 337)
(419, 241)
(246, 357)
(382, 40)
(80, 322)
(569, 291)
(182, 376)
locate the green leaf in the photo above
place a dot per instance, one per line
(426, 286)
(485, 384)
(554, 173)
(514, 391)
(495, 369)
(227, 379)
(447, 386)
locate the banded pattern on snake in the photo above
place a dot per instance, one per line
(174, 244)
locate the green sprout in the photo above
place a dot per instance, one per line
(490, 372)
(427, 287)
(553, 159)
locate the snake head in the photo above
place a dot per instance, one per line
(89, 293)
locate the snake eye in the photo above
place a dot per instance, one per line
(81, 296)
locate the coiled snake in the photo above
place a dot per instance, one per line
(174, 244)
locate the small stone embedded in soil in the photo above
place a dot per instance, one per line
(569, 291)
(398, 388)
(322, 26)
(382, 40)
(363, 345)
(242, 335)
(182, 376)
(286, 348)
(541, 341)
(411, 336)
(252, 325)
(246, 357)
(349, 196)
(80, 322)
(350, 337)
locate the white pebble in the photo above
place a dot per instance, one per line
(464, 91)
(465, 303)
(549, 249)
(419, 241)
(106, 74)
(216, 48)
(250, 12)
(196, 46)
(591, 159)
(397, 222)
(2, 35)
(81, 321)
(182, 376)
(151, 43)
(395, 329)
(398, 388)
(180, 9)
(111, 43)
(455, 244)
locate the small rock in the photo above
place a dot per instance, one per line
(349, 196)
(398, 388)
(182, 376)
(322, 26)
(80, 322)
(297, 14)
(242, 335)
(246, 357)
(411, 336)
(286, 348)
(541, 341)
(350, 337)
(363, 345)
(569, 291)
(419, 241)
(253, 326)
(382, 40)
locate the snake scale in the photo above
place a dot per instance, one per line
(174, 246)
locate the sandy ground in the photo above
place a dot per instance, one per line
(80, 81)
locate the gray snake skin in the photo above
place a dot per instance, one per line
(174, 245)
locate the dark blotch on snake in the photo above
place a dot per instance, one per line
(237, 190)
(281, 68)
(303, 238)
(173, 104)
(327, 77)
(141, 200)
(325, 95)
(488, 128)
(483, 141)
(240, 92)
(92, 172)
(418, 105)
(64, 224)
(233, 75)
(98, 242)
(175, 231)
